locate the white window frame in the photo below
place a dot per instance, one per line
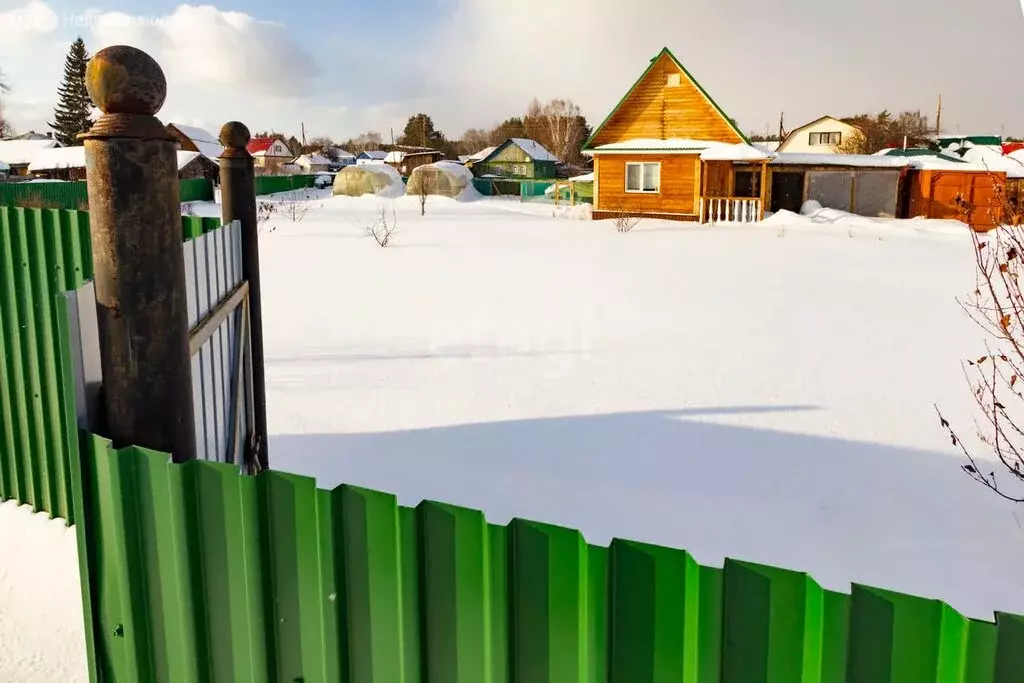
(828, 136)
(643, 164)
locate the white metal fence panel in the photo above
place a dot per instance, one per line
(217, 312)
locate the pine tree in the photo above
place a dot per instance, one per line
(73, 112)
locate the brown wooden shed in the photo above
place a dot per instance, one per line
(947, 192)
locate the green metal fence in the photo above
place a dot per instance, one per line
(55, 195)
(43, 252)
(272, 184)
(196, 190)
(199, 573)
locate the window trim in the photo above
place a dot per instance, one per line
(641, 164)
(829, 134)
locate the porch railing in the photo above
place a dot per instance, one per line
(730, 209)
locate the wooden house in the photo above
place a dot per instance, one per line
(517, 158)
(667, 150)
(192, 139)
(17, 154)
(405, 162)
(269, 153)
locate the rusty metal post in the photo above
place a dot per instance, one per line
(135, 220)
(238, 202)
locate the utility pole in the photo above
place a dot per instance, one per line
(303, 124)
(782, 130)
(938, 118)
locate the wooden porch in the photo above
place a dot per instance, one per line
(732, 192)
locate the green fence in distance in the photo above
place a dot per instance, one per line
(196, 190)
(200, 573)
(272, 184)
(49, 195)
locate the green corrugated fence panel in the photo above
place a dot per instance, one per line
(55, 195)
(272, 184)
(200, 573)
(43, 252)
(196, 190)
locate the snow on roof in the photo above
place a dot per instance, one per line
(204, 141)
(482, 154)
(721, 151)
(15, 152)
(342, 153)
(1018, 155)
(585, 178)
(656, 145)
(992, 160)
(313, 159)
(4, 167)
(58, 157)
(374, 154)
(394, 157)
(74, 157)
(861, 160)
(534, 149)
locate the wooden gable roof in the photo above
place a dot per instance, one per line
(666, 102)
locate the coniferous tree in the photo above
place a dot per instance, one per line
(74, 109)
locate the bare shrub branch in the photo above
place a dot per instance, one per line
(383, 226)
(995, 377)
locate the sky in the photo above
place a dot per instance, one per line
(343, 67)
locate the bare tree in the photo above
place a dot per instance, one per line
(474, 140)
(996, 378)
(295, 205)
(382, 226)
(5, 126)
(559, 125)
(422, 192)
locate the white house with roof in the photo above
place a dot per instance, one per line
(18, 154)
(821, 136)
(313, 163)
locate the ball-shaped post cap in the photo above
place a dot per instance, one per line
(125, 80)
(235, 134)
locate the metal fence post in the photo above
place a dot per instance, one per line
(238, 202)
(139, 269)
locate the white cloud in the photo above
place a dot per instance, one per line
(207, 46)
(33, 19)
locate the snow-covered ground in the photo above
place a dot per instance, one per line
(762, 392)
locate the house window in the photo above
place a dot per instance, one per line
(825, 139)
(674, 80)
(643, 177)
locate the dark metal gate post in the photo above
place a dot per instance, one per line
(238, 202)
(135, 219)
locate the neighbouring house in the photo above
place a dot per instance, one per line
(668, 150)
(192, 164)
(32, 135)
(4, 169)
(517, 158)
(340, 158)
(68, 163)
(18, 154)
(407, 162)
(192, 139)
(470, 159)
(820, 136)
(269, 153)
(313, 163)
(371, 157)
(868, 185)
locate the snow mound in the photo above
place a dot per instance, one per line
(369, 178)
(580, 212)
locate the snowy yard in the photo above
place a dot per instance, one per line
(761, 392)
